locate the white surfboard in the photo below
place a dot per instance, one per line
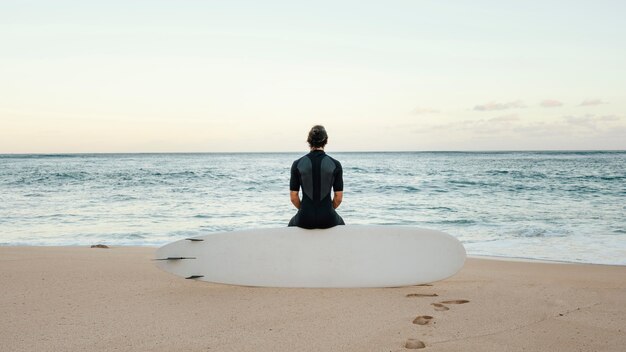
(343, 256)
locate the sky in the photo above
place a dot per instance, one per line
(254, 76)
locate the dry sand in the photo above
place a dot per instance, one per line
(92, 299)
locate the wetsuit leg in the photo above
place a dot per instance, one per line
(293, 221)
(296, 221)
(340, 220)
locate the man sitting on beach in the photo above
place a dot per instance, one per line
(317, 173)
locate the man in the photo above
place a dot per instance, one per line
(316, 173)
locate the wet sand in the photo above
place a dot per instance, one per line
(94, 299)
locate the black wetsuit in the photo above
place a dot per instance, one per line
(316, 173)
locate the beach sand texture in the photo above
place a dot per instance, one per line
(95, 299)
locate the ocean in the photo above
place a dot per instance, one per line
(562, 206)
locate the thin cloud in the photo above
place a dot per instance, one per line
(550, 103)
(538, 129)
(491, 106)
(592, 121)
(610, 118)
(424, 111)
(592, 102)
(480, 126)
(582, 121)
(505, 118)
(512, 126)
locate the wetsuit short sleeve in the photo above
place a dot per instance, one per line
(338, 183)
(294, 181)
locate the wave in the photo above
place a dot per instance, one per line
(514, 174)
(530, 232)
(455, 222)
(122, 197)
(393, 188)
(598, 178)
(34, 195)
(42, 156)
(467, 183)
(441, 208)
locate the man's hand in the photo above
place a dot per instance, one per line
(337, 199)
(295, 199)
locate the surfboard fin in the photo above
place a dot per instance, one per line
(175, 258)
(194, 277)
(194, 239)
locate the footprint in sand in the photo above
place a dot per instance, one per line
(455, 301)
(414, 344)
(422, 320)
(422, 295)
(439, 307)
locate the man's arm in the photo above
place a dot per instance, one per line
(338, 185)
(337, 199)
(295, 199)
(294, 185)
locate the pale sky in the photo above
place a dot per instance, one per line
(214, 76)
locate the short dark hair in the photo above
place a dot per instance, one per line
(317, 137)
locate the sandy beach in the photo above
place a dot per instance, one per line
(92, 299)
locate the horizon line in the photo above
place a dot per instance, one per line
(338, 151)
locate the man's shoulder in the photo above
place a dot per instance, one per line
(299, 161)
(335, 161)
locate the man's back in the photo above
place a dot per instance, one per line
(317, 174)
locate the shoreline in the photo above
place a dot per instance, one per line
(76, 298)
(469, 256)
(535, 260)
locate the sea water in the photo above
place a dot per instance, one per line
(565, 206)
